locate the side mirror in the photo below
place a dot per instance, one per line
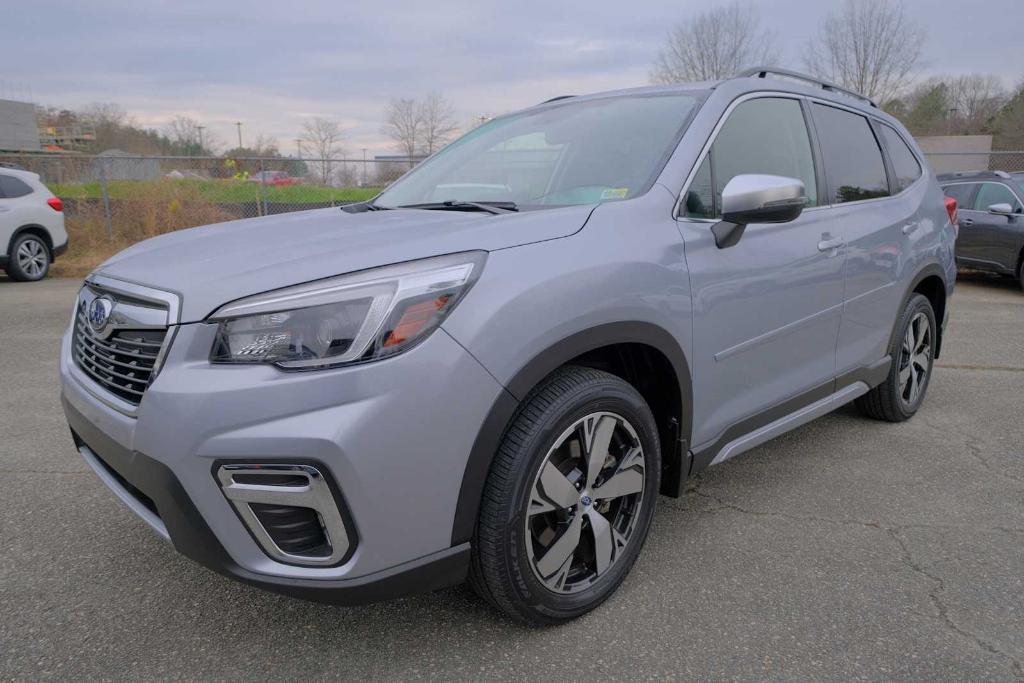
(1001, 209)
(751, 198)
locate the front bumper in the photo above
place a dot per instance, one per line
(394, 435)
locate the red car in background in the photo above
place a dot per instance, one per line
(273, 178)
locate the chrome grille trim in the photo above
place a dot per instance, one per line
(119, 361)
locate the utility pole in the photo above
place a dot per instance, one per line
(201, 129)
(239, 125)
(364, 167)
(298, 146)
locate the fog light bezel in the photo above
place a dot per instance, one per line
(319, 493)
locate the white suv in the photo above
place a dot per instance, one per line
(31, 225)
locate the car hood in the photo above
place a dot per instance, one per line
(212, 265)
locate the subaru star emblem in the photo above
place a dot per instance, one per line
(99, 313)
(586, 501)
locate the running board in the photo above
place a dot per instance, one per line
(791, 421)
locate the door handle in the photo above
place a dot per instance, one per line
(966, 221)
(909, 228)
(830, 244)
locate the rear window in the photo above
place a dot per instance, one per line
(853, 159)
(904, 163)
(961, 192)
(12, 188)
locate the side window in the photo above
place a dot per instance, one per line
(12, 188)
(995, 193)
(765, 135)
(853, 159)
(904, 163)
(961, 192)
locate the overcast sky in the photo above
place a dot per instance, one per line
(271, 64)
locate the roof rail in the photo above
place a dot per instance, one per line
(765, 71)
(560, 97)
(974, 174)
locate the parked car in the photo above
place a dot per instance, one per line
(349, 405)
(273, 178)
(31, 225)
(991, 209)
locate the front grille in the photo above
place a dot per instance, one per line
(123, 363)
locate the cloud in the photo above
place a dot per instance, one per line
(274, 64)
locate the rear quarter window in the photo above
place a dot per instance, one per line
(904, 163)
(12, 188)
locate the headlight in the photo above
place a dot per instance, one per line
(363, 316)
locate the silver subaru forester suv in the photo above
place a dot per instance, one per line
(492, 370)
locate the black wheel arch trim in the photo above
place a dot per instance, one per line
(492, 430)
(32, 227)
(929, 270)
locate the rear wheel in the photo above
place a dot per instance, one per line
(913, 352)
(569, 498)
(1020, 272)
(29, 259)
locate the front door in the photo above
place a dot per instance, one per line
(767, 310)
(990, 240)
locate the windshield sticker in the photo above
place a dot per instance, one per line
(615, 193)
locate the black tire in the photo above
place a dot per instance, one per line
(1020, 272)
(889, 401)
(501, 570)
(35, 269)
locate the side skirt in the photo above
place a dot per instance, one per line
(790, 414)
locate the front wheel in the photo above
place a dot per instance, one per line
(569, 498)
(913, 352)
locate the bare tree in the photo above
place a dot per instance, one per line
(976, 100)
(402, 123)
(870, 46)
(189, 138)
(714, 44)
(437, 117)
(1009, 124)
(323, 137)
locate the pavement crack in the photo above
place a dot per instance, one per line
(724, 505)
(938, 584)
(939, 587)
(956, 366)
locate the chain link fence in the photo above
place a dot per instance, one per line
(950, 162)
(113, 200)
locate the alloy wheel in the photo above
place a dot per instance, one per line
(915, 359)
(32, 258)
(585, 502)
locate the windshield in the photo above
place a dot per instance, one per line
(579, 152)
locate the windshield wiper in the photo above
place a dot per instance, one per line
(454, 205)
(360, 207)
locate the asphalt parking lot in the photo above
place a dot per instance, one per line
(848, 549)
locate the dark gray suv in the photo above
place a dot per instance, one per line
(991, 211)
(492, 370)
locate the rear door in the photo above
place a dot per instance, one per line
(995, 239)
(966, 245)
(766, 311)
(16, 203)
(879, 219)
